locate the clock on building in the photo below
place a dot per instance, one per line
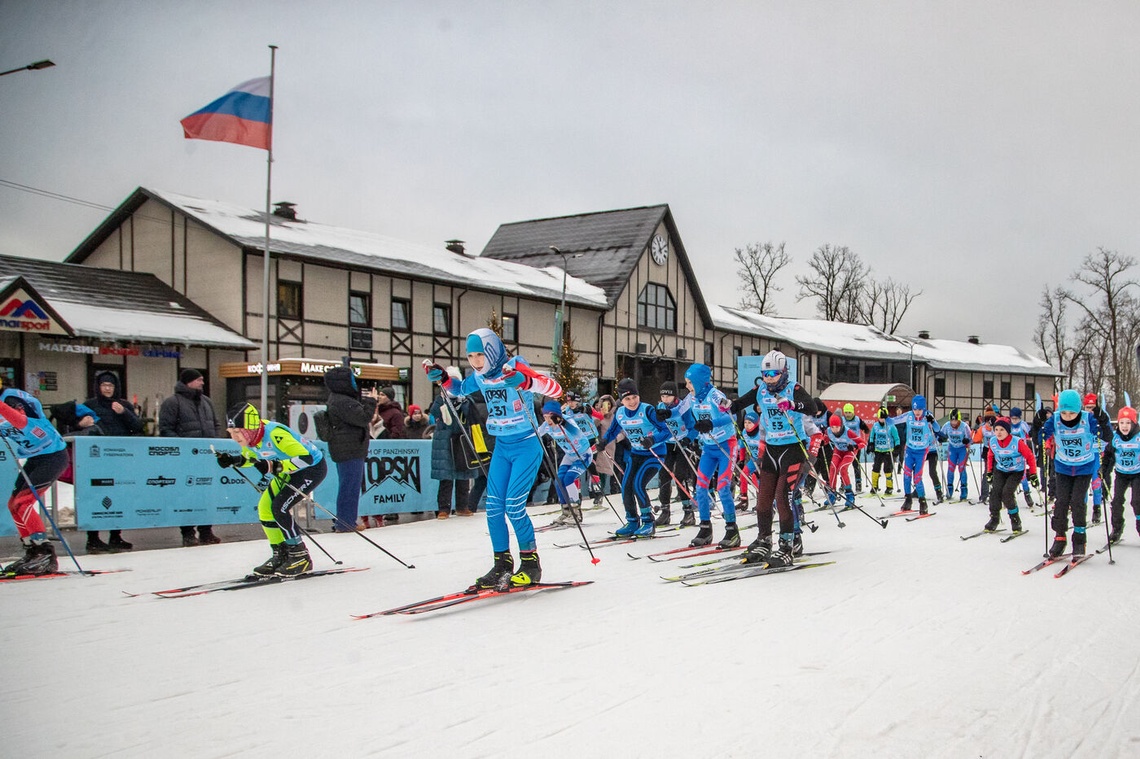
(659, 249)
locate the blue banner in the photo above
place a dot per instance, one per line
(748, 372)
(8, 475)
(128, 483)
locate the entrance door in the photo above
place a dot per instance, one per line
(651, 373)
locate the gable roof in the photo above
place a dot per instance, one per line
(354, 249)
(108, 304)
(602, 248)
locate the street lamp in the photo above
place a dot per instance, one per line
(558, 322)
(44, 64)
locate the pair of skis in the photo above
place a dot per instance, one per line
(1005, 539)
(738, 567)
(242, 583)
(61, 573)
(1068, 567)
(468, 596)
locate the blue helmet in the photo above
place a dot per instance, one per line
(485, 341)
(700, 375)
(918, 403)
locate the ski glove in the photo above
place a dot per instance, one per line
(703, 425)
(434, 371)
(226, 460)
(1036, 483)
(648, 442)
(784, 404)
(662, 413)
(514, 378)
(990, 477)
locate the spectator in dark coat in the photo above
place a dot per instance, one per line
(117, 417)
(189, 413)
(390, 415)
(349, 417)
(447, 455)
(416, 424)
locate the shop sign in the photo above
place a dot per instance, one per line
(110, 350)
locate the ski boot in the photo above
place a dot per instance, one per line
(689, 518)
(995, 520)
(1015, 522)
(798, 544)
(297, 561)
(576, 512)
(116, 543)
(907, 504)
(873, 491)
(1078, 542)
(922, 509)
(848, 498)
(648, 528)
(630, 527)
(564, 518)
(741, 503)
(703, 537)
(272, 564)
(663, 518)
(758, 551)
(1117, 531)
(889, 491)
(499, 575)
(530, 570)
(731, 536)
(95, 544)
(782, 556)
(1096, 515)
(962, 495)
(938, 496)
(207, 537)
(1058, 547)
(38, 559)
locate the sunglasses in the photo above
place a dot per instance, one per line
(771, 373)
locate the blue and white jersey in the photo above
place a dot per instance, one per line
(680, 424)
(638, 425)
(510, 412)
(582, 419)
(1007, 458)
(1021, 429)
(919, 432)
(843, 440)
(753, 440)
(1127, 453)
(958, 437)
(709, 408)
(1076, 446)
(38, 436)
(884, 437)
(569, 438)
(855, 424)
(777, 429)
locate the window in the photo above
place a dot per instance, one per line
(359, 310)
(360, 338)
(736, 354)
(875, 372)
(987, 390)
(441, 319)
(709, 354)
(1030, 392)
(656, 308)
(510, 328)
(401, 315)
(289, 302)
(939, 386)
(1006, 390)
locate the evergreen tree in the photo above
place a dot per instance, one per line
(495, 323)
(566, 371)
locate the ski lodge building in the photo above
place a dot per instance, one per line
(633, 308)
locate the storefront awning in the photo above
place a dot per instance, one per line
(307, 367)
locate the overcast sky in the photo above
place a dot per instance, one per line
(974, 150)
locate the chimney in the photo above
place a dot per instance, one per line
(974, 340)
(924, 334)
(455, 246)
(285, 210)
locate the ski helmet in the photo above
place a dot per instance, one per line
(1069, 400)
(918, 403)
(243, 416)
(773, 360)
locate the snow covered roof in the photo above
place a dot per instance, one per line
(360, 250)
(113, 305)
(867, 342)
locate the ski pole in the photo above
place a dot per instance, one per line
(811, 468)
(43, 507)
(308, 534)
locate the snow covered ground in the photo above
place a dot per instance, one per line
(914, 644)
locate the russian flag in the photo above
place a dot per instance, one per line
(241, 116)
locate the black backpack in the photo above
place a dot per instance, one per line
(322, 424)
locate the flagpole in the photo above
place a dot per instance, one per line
(265, 267)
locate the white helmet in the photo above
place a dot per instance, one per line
(774, 360)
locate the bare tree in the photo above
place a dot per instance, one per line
(1052, 334)
(884, 305)
(1109, 320)
(838, 279)
(759, 264)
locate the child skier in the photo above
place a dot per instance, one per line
(647, 438)
(1075, 462)
(1101, 480)
(920, 439)
(958, 436)
(1008, 459)
(508, 385)
(576, 459)
(982, 436)
(1018, 427)
(677, 453)
(845, 445)
(295, 467)
(1126, 448)
(853, 422)
(29, 435)
(717, 430)
(884, 440)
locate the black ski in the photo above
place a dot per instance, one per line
(1017, 534)
(249, 581)
(757, 572)
(61, 573)
(982, 532)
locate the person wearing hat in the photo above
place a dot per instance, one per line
(982, 435)
(577, 455)
(389, 418)
(509, 386)
(682, 444)
(1126, 447)
(884, 438)
(1018, 427)
(845, 445)
(189, 413)
(647, 436)
(919, 437)
(292, 467)
(1008, 460)
(117, 418)
(958, 436)
(28, 435)
(1100, 486)
(349, 414)
(852, 422)
(1075, 434)
(416, 423)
